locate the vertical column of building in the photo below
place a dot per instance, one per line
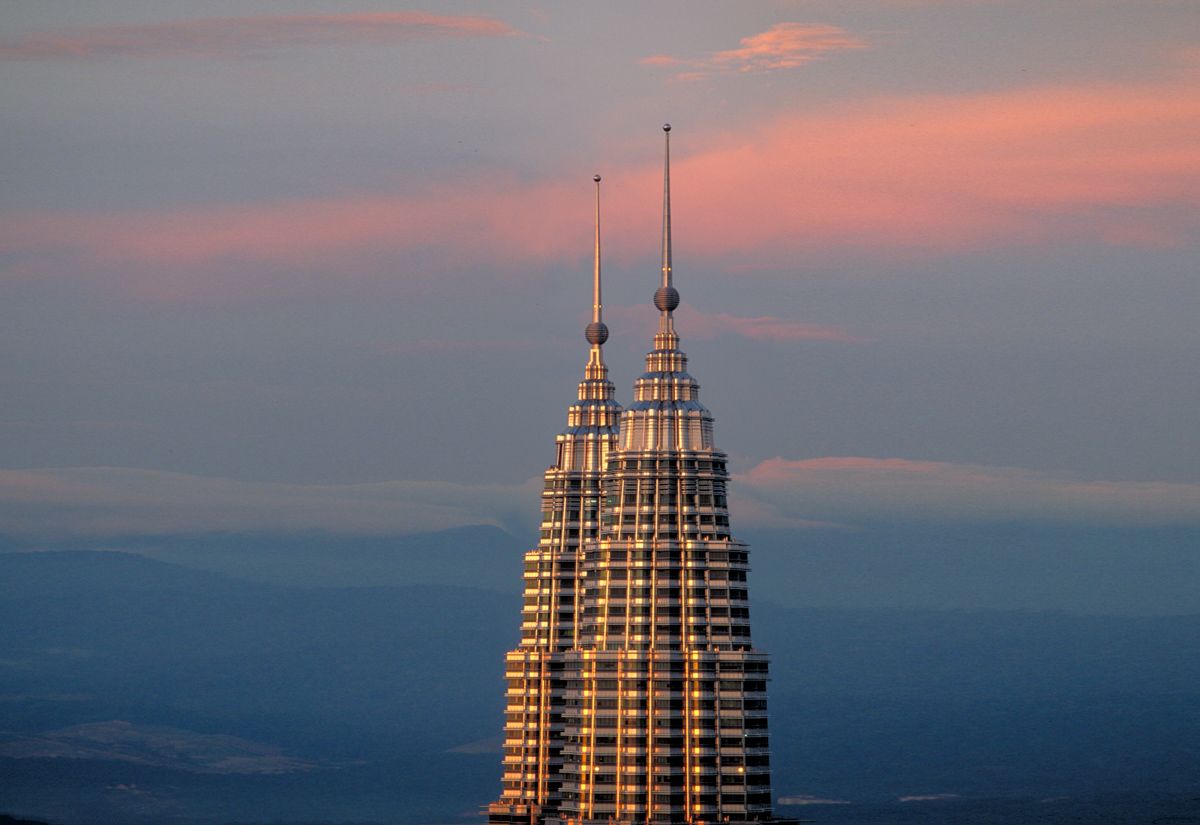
(665, 697)
(533, 728)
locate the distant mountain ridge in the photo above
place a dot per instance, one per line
(319, 559)
(1127, 571)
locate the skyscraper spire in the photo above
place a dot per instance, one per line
(666, 228)
(666, 297)
(597, 332)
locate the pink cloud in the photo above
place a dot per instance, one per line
(1115, 164)
(660, 60)
(783, 46)
(947, 172)
(241, 36)
(169, 255)
(786, 46)
(849, 488)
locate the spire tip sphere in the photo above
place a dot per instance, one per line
(596, 333)
(666, 298)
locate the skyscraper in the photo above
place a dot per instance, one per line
(552, 612)
(636, 695)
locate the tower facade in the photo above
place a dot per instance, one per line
(660, 698)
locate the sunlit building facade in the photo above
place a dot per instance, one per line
(636, 694)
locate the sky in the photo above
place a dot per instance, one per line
(326, 265)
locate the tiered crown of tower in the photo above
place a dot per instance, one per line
(596, 411)
(666, 413)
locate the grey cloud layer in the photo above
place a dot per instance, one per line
(776, 493)
(849, 489)
(115, 500)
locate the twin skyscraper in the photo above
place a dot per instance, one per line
(635, 695)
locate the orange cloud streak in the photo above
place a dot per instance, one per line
(786, 46)
(492, 221)
(239, 36)
(783, 46)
